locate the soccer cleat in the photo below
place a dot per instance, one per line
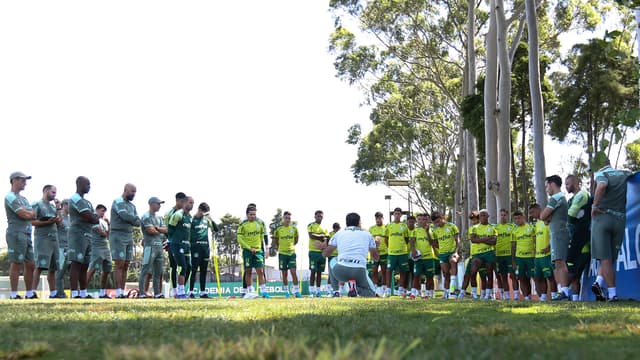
(77, 297)
(105, 296)
(33, 296)
(598, 291)
(121, 296)
(161, 296)
(192, 296)
(560, 297)
(140, 296)
(613, 299)
(318, 294)
(297, 294)
(266, 296)
(336, 294)
(204, 296)
(17, 297)
(61, 295)
(182, 296)
(287, 295)
(88, 297)
(412, 297)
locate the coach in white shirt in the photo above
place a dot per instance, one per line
(353, 244)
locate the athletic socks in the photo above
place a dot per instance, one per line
(29, 293)
(601, 282)
(566, 291)
(83, 293)
(118, 292)
(543, 297)
(74, 293)
(14, 294)
(454, 283)
(53, 293)
(103, 292)
(612, 292)
(312, 290)
(263, 289)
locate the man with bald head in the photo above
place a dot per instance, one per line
(123, 218)
(83, 218)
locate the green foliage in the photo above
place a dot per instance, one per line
(633, 155)
(344, 328)
(226, 242)
(598, 99)
(4, 263)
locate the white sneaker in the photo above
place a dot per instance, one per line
(250, 295)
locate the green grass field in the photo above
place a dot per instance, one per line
(344, 328)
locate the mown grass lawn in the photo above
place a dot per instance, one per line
(344, 328)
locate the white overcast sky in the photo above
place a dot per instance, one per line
(231, 102)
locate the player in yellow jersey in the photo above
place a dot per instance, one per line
(504, 263)
(285, 238)
(483, 236)
(379, 268)
(425, 261)
(522, 248)
(543, 272)
(318, 240)
(448, 238)
(474, 217)
(250, 236)
(397, 237)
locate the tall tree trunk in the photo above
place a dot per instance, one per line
(470, 143)
(537, 108)
(523, 163)
(490, 125)
(504, 114)
(514, 176)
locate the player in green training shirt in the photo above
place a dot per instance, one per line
(379, 268)
(522, 248)
(448, 238)
(504, 263)
(397, 237)
(181, 243)
(318, 240)
(543, 272)
(285, 238)
(250, 236)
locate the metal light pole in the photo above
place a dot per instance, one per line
(388, 197)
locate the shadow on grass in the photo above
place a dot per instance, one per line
(316, 328)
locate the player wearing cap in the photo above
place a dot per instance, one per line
(181, 198)
(100, 252)
(63, 247)
(285, 238)
(181, 245)
(318, 239)
(201, 224)
(423, 256)
(397, 238)
(379, 268)
(153, 232)
(19, 216)
(448, 238)
(45, 236)
(83, 219)
(523, 248)
(250, 236)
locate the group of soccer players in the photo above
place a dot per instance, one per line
(417, 250)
